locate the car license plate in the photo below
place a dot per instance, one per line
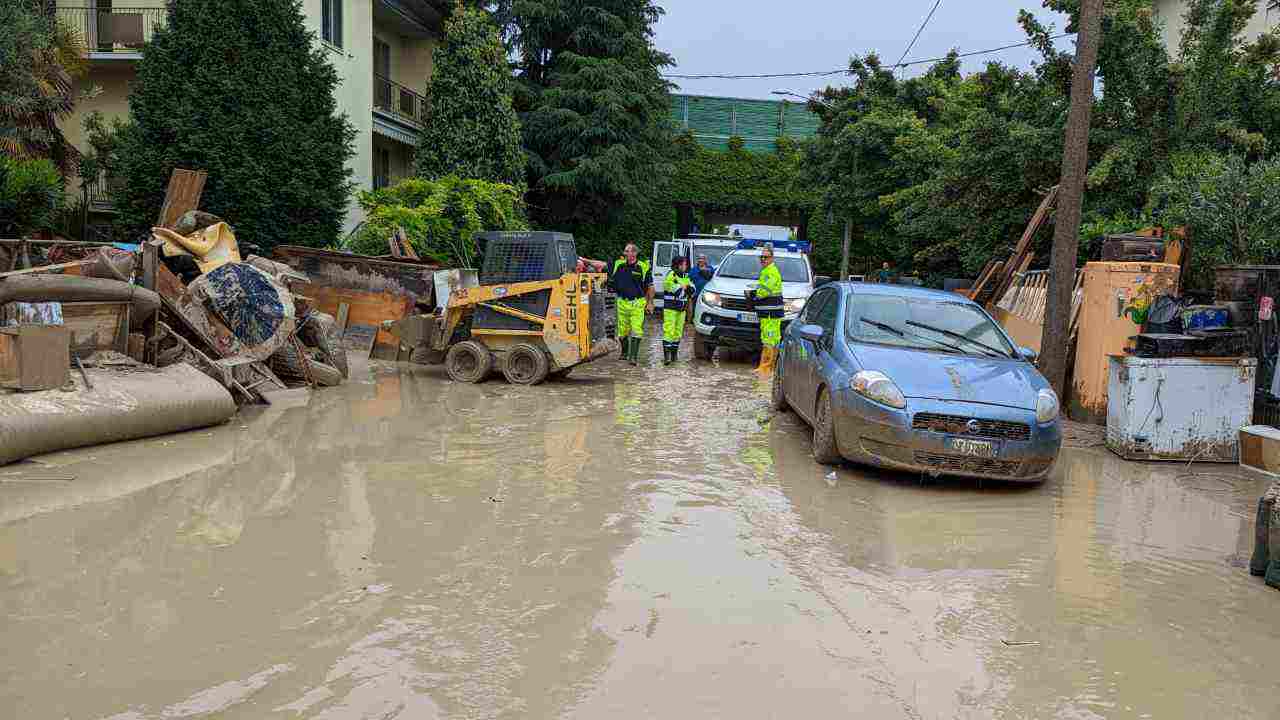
(747, 317)
(971, 448)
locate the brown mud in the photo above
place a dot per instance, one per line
(627, 543)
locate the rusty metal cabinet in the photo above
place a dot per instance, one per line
(1179, 408)
(1115, 298)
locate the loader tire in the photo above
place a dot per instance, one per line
(468, 362)
(526, 364)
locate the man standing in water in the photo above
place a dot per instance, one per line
(632, 280)
(676, 291)
(769, 308)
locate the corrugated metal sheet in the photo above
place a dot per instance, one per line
(713, 120)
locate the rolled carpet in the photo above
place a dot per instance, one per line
(123, 405)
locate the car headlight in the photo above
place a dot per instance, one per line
(712, 299)
(1046, 406)
(795, 306)
(877, 386)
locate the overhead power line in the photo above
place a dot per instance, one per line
(923, 25)
(843, 71)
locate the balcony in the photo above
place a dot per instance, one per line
(117, 32)
(402, 111)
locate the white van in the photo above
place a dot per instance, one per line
(715, 247)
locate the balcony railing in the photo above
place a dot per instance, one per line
(99, 193)
(122, 30)
(398, 100)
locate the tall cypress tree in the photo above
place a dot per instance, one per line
(473, 131)
(595, 111)
(241, 89)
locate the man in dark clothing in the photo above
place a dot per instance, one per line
(632, 280)
(700, 274)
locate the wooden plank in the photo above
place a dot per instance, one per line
(1016, 260)
(342, 317)
(97, 326)
(363, 308)
(150, 261)
(981, 289)
(183, 195)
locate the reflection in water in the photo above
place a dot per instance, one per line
(626, 543)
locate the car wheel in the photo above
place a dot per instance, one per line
(777, 397)
(702, 349)
(824, 432)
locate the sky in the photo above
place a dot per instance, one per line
(756, 37)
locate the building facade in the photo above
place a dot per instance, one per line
(382, 50)
(1171, 13)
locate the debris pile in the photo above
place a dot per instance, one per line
(100, 343)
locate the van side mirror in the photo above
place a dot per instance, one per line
(821, 280)
(1028, 354)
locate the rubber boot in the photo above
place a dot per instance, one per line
(634, 355)
(668, 354)
(1262, 529)
(768, 355)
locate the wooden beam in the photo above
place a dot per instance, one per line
(46, 268)
(185, 189)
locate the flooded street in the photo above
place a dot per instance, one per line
(651, 547)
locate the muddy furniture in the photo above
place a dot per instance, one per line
(1115, 298)
(1182, 408)
(34, 357)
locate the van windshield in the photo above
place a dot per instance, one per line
(715, 254)
(747, 267)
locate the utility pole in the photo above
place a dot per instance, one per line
(1066, 231)
(844, 256)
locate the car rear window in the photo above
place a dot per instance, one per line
(927, 323)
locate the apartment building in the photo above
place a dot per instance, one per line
(381, 49)
(1172, 12)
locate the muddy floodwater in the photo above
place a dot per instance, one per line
(629, 543)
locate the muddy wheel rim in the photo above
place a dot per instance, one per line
(522, 366)
(467, 363)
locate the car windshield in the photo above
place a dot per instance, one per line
(926, 323)
(747, 267)
(715, 255)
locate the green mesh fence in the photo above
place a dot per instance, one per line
(759, 123)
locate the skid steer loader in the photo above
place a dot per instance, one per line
(531, 315)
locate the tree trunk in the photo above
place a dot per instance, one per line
(844, 256)
(1066, 234)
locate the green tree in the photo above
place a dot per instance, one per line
(594, 108)
(473, 132)
(440, 217)
(242, 90)
(31, 196)
(41, 56)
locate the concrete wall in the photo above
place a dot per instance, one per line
(354, 63)
(1171, 13)
(411, 66)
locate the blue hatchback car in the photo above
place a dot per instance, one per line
(918, 380)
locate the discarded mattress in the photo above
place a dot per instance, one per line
(123, 405)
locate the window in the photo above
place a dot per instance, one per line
(825, 316)
(331, 21)
(744, 266)
(924, 323)
(666, 251)
(813, 307)
(381, 168)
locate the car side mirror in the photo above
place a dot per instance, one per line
(821, 280)
(1028, 354)
(812, 333)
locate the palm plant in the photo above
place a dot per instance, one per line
(42, 55)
